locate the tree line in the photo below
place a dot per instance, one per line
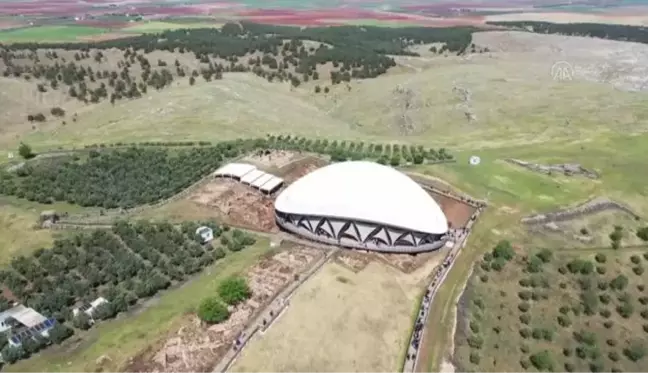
(637, 34)
(134, 260)
(126, 178)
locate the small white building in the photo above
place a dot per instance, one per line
(206, 233)
(88, 308)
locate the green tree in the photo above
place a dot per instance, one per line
(25, 151)
(635, 352)
(59, 333)
(234, 290)
(82, 321)
(542, 361)
(212, 311)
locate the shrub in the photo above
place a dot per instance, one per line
(479, 303)
(59, 333)
(475, 342)
(524, 306)
(596, 366)
(611, 342)
(504, 250)
(619, 283)
(635, 259)
(564, 310)
(638, 270)
(600, 258)
(234, 290)
(641, 287)
(644, 314)
(536, 333)
(614, 356)
(545, 255)
(605, 298)
(635, 352)
(525, 364)
(488, 257)
(645, 328)
(605, 313)
(212, 311)
(525, 318)
(542, 361)
(547, 335)
(608, 324)
(25, 151)
(643, 300)
(564, 321)
(82, 321)
(584, 231)
(600, 270)
(581, 352)
(642, 233)
(562, 285)
(603, 285)
(525, 282)
(474, 326)
(498, 264)
(12, 354)
(567, 352)
(497, 329)
(525, 333)
(524, 348)
(562, 270)
(534, 265)
(485, 266)
(569, 367)
(585, 337)
(484, 278)
(474, 358)
(524, 295)
(625, 309)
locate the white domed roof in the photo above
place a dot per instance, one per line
(365, 191)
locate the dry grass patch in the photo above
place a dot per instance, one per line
(17, 233)
(341, 320)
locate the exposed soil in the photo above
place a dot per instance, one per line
(270, 159)
(197, 347)
(409, 263)
(458, 213)
(238, 204)
(301, 167)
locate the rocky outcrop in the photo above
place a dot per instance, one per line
(567, 169)
(590, 207)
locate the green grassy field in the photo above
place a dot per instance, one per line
(49, 34)
(124, 337)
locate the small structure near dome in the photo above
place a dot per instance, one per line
(206, 233)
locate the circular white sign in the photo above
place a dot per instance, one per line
(475, 160)
(562, 71)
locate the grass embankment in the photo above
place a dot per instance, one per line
(514, 192)
(122, 338)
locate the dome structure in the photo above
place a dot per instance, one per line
(362, 205)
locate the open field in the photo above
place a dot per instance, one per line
(119, 340)
(44, 34)
(571, 17)
(361, 317)
(159, 26)
(17, 233)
